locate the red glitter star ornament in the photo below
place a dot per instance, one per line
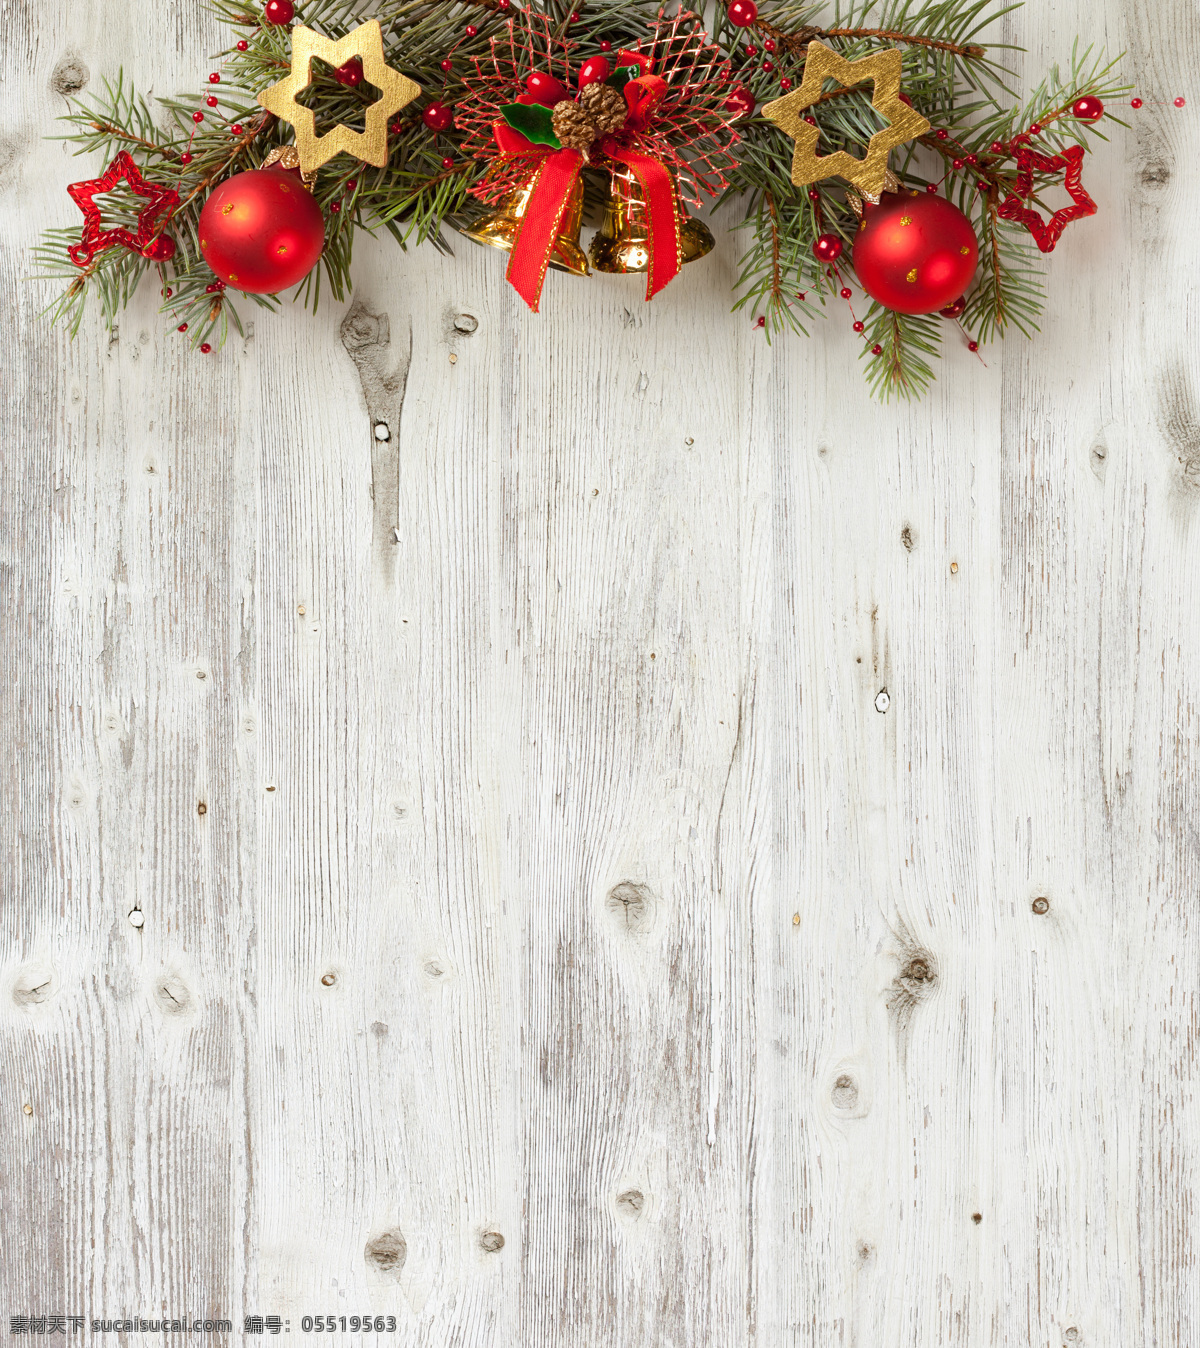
(1046, 233)
(149, 239)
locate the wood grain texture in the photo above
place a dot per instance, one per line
(550, 935)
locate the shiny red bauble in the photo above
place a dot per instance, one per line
(828, 248)
(350, 74)
(955, 310)
(593, 71)
(1088, 109)
(261, 232)
(742, 13)
(740, 101)
(915, 254)
(161, 249)
(438, 117)
(279, 11)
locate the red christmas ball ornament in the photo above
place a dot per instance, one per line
(915, 254)
(546, 89)
(828, 248)
(161, 249)
(350, 74)
(593, 71)
(740, 101)
(438, 117)
(279, 11)
(261, 231)
(742, 13)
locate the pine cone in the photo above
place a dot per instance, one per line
(606, 107)
(573, 126)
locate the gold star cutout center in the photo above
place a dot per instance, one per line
(869, 173)
(396, 90)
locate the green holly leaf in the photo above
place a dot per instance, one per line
(621, 77)
(533, 121)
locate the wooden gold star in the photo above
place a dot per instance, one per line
(868, 173)
(370, 144)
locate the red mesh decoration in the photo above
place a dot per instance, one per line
(149, 239)
(690, 130)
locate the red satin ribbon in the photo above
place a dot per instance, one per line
(537, 233)
(662, 216)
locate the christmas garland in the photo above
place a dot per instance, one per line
(882, 149)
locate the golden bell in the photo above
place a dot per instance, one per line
(623, 242)
(499, 230)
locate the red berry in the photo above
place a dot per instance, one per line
(742, 13)
(593, 71)
(471, 30)
(447, 162)
(740, 101)
(1088, 109)
(828, 248)
(182, 327)
(243, 45)
(279, 11)
(1035, 129)
(860, 326)
(846, 292)
(800, 294)
(438, 117)
(997, 147)
(185, 158)
(336, 208)
(931, 188)
(972, 346)
(972, 159)
(813, 194)
(956, 309)
(942, 133)
(811, 120)
(211, 100)
(351, 184)
(503, 4)
(751, 50)
(769, 44)
(1135, 102)
(351, 73)
(904, 98)
(1181, 102)
(877, 350)
(768, 66)
(956, 164)
(574, 17)
(205, 348)
(760, 322)
(214, 78)
(211, 288)
(236, 129)
(606, 45)
(785, 84)
(168, 292)
(447, 65)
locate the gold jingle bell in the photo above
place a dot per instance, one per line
(623, 242)
(499, 230)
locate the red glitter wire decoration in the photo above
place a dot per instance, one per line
(149, 240)
(1046, 233)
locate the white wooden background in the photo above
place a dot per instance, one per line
(569, 953)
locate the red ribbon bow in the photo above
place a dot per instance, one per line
(558, 172)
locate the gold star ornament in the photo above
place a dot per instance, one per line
(396, 90)
(869, 173)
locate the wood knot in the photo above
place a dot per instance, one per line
(387, 1252)
(845, 1092)
(172, 995)
(491, 1241)
(977, 1217)
(631, 906)
(1040, 906)
(630, 1203)
(329, 979)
